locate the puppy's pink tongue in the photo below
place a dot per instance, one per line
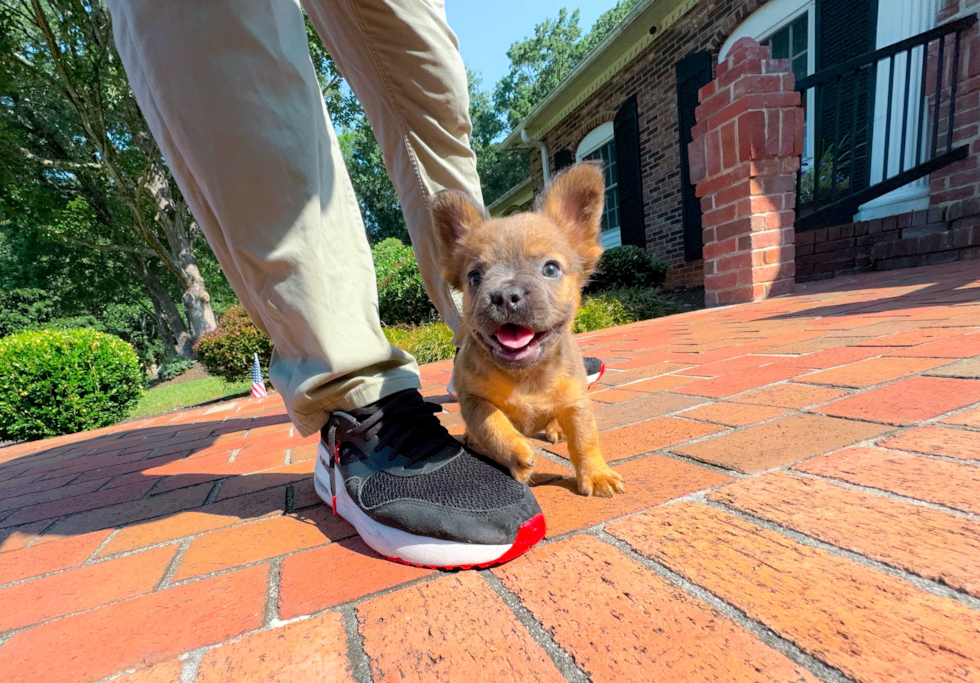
(514, 336)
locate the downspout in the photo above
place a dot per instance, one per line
(543, 148)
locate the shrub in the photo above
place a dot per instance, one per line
(428, 343)
(401, 293)
(626, 266)
(65, 381)
(227, 351)
(620, 307)
(21, 309)
(174, 367)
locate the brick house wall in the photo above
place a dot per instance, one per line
(651, 77)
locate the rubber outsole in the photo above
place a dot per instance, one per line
(592, 379)
(377, 536)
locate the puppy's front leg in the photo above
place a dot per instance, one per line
(593, 475)
(489, 431)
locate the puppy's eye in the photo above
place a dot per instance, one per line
(551, 270)
(476, 277)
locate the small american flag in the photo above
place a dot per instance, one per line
(258, 385)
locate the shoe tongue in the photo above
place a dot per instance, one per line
(514, 336)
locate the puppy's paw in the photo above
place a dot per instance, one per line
(603, 483)
(522, 473)
(553, 433)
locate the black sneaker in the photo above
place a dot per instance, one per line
(415, 494)
(594, 369)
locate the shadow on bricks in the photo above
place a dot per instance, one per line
(239, 468)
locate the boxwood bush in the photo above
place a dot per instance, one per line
(401, 293)
(64, 381)
(620, 307)
(228, 351)
(626, 266)
(174, 367)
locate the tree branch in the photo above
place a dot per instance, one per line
(102, 247)
(59, 164)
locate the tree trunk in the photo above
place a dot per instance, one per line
(183, 340)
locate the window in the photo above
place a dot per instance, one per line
(789, 28)
(792, 42)
(600, 145)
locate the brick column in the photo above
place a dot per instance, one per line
(744, 157)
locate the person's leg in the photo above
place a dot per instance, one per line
(231, 97)
(402, 62)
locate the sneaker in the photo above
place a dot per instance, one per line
(415, 494)
(594, 369)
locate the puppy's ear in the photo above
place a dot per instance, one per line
(574, 201)
(453, 215)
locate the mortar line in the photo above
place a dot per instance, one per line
(770, 637)
(559, 656)
(916, 580)
(360, 663)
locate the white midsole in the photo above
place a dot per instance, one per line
(395, 543)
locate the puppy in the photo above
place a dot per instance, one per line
(519, 371)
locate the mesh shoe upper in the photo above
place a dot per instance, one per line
(592, 365)
(402, 468)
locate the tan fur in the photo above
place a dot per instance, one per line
(502, 407)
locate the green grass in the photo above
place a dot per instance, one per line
(184, 394)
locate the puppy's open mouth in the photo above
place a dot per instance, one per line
(515, 343)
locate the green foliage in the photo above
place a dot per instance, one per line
(626, 266)
(133, 323)
(499, 171)
(401, 292)
(65, 381)
(620, 307)
(24, 308)
(174, 367)
(375, 194)
(228, 351)
(539, 63)
(428, 343)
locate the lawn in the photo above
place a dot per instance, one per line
(169, 397)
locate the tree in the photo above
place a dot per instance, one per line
(499, 171)
(68, 120)
(539, 63)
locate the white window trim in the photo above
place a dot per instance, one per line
(600, 135)
(768, 19)
(596, 138)
(765, 21)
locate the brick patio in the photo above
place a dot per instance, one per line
(803, 503)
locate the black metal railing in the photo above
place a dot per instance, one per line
(852, 155)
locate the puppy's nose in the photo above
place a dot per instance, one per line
(508, 298)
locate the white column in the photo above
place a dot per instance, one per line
(898, 20)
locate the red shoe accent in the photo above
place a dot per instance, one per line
(602, 371)
(336, 449)
(529, 534)
(333, 503)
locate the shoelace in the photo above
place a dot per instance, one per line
(405, 417)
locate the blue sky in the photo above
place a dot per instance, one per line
(486, 29)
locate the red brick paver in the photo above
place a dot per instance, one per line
(826, 448)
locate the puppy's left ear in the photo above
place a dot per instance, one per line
(453, 215)
(574, 201)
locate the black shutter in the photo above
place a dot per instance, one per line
(563, 159)
(693, 72)
(846, 29)
(626, 129)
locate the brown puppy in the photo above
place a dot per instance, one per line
(519, 371)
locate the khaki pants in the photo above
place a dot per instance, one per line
(231, 97)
